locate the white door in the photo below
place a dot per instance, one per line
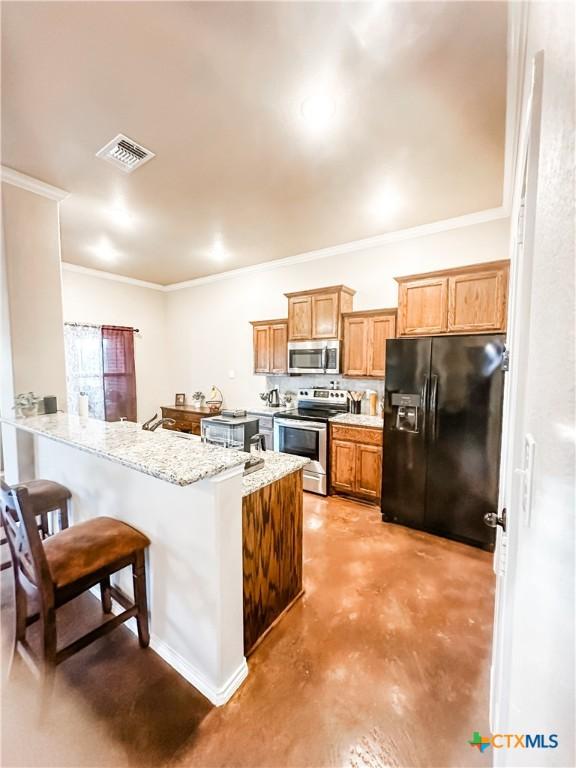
(517, 447)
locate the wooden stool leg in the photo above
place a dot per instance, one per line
(140, 599)
(20, 611)
(63, 515)
(48, 658)
(44, 525)
(105, 595)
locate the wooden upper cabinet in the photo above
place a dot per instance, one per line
(382, 327)
(279, 347)
(365, 335)
(355, 345)
(299, 318)
(477, 301)
(317, 314)
(325, 316)
(270, 340)
(422, 307)
(468, 299)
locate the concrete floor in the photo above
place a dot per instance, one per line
(384, 662)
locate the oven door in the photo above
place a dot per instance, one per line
(302, 438)
(307, 357)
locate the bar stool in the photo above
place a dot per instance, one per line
(46, 496)
(54, 571)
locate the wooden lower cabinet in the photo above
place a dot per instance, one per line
(368, 471)
(272, 531)
(343, 468)
(356, 462)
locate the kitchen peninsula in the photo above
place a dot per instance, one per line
(216, 582)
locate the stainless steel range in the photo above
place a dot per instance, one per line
(303, 431)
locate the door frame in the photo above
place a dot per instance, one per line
(521, 260)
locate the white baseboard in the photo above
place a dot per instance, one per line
(217, 696)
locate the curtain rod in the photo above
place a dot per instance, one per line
(98, 325)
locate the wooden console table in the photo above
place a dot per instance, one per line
(187, 418)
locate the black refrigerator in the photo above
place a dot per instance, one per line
(442, 431)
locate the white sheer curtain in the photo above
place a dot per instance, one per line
(84, 367)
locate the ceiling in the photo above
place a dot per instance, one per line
(278, 128)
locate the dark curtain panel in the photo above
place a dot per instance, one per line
(119, 373)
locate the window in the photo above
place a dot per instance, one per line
(100, 363)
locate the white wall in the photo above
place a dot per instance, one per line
(209, 325)
(91, 299)
(539, 628)
(31, 333)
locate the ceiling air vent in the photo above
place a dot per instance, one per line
(125, 154)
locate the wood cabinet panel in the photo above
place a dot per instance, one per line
(300, 318)
(356, 346)
(270, 345)
(477, 301)
(317, 314)
(469, 299)
(381, 328)
(367, 435)
(261, 349)
(279, 348)
(325, 316)
(343, 463)
(356, 462)
(422, 307)
(271, 554)
(365, 335)
(187, 419)
(368, 471)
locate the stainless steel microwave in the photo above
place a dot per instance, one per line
(314, 356)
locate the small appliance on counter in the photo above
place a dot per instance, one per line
(229, 431)
(303, 431)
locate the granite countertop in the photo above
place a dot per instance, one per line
(358, 420)
(267, 410)
(161, 454)
(276, 466)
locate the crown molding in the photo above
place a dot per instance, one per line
(68, 267)
(17, 179)
(436, 227)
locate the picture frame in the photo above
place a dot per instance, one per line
(180, 398)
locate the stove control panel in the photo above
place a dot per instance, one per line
(339, 396)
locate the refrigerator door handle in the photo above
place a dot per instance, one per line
(434, 405)
(424, 401)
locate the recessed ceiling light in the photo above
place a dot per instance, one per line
(218, 252)
(120, 216)
(385, 204)
(318, 108)
(105, 251)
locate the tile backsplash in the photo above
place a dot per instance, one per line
(294, 383)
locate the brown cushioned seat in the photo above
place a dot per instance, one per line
(46, 494)
(87, 547)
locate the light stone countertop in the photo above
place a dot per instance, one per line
(358, 420)
(276, 466)
(161, 454)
